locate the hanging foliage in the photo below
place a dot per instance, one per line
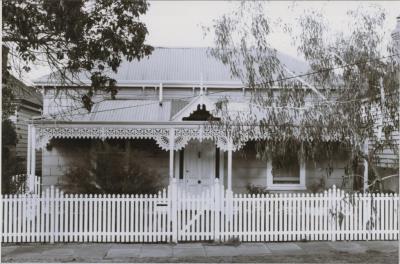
(77, 39)
(348, 95)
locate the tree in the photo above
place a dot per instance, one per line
(7, 95)
(350, 93)
(75, 36)
(10, 164)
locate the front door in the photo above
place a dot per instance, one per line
(199, 165)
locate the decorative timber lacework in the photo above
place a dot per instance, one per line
(162, 135)
(181, 135)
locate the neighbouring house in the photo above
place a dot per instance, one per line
(28, 104)
(162, 111)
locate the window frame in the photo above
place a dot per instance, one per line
(301, 186)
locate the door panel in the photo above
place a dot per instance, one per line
(199, 165)
(191, 163)
(207, 163)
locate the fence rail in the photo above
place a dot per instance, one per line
(175, 215)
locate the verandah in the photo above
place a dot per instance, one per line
(169, 136)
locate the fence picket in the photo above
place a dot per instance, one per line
(55, 213)
(151, 217)
(24, 218)
(71, 217)
(245, 216)
(116, 224)
(132, 215)
(4, 230)
(387, 217)
(35, 218)
(396, 219)
(289, 214)
(13, 214)
(391, 209)
(351, 209)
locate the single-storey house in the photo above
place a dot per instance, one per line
(161, 115)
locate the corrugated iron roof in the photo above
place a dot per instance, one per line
(180, 66)
(132, 110)
(177, 105)
(24, 92)
(137, 111)
(124, 111)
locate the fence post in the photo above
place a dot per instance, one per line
(52, 216)
(333, 205)
(216, 205)
(229, 211)
(173, 209)
(367, 208)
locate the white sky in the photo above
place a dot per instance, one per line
(179, 23)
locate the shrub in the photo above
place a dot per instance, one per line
(255, 189)
(111, 173)
(10, 166)
(317, 186)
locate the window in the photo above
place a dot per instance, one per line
(286, 171)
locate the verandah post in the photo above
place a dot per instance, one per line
(171, 152)
(230, 148)
(173, 187)
(229, 194)
(28, 153)
(31, 163)
(33, 158)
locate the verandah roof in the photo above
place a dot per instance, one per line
(150, 119)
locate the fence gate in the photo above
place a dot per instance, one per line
(197, 214)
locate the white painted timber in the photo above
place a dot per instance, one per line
(215, 214)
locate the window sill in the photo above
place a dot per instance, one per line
(286, 187)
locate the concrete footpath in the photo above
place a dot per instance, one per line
(285, 252)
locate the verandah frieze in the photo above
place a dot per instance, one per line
(181, 135)
(162, 135)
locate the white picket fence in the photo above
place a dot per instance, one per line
(175, 215)
(58, 217)
(331, 215)
(22, 179)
